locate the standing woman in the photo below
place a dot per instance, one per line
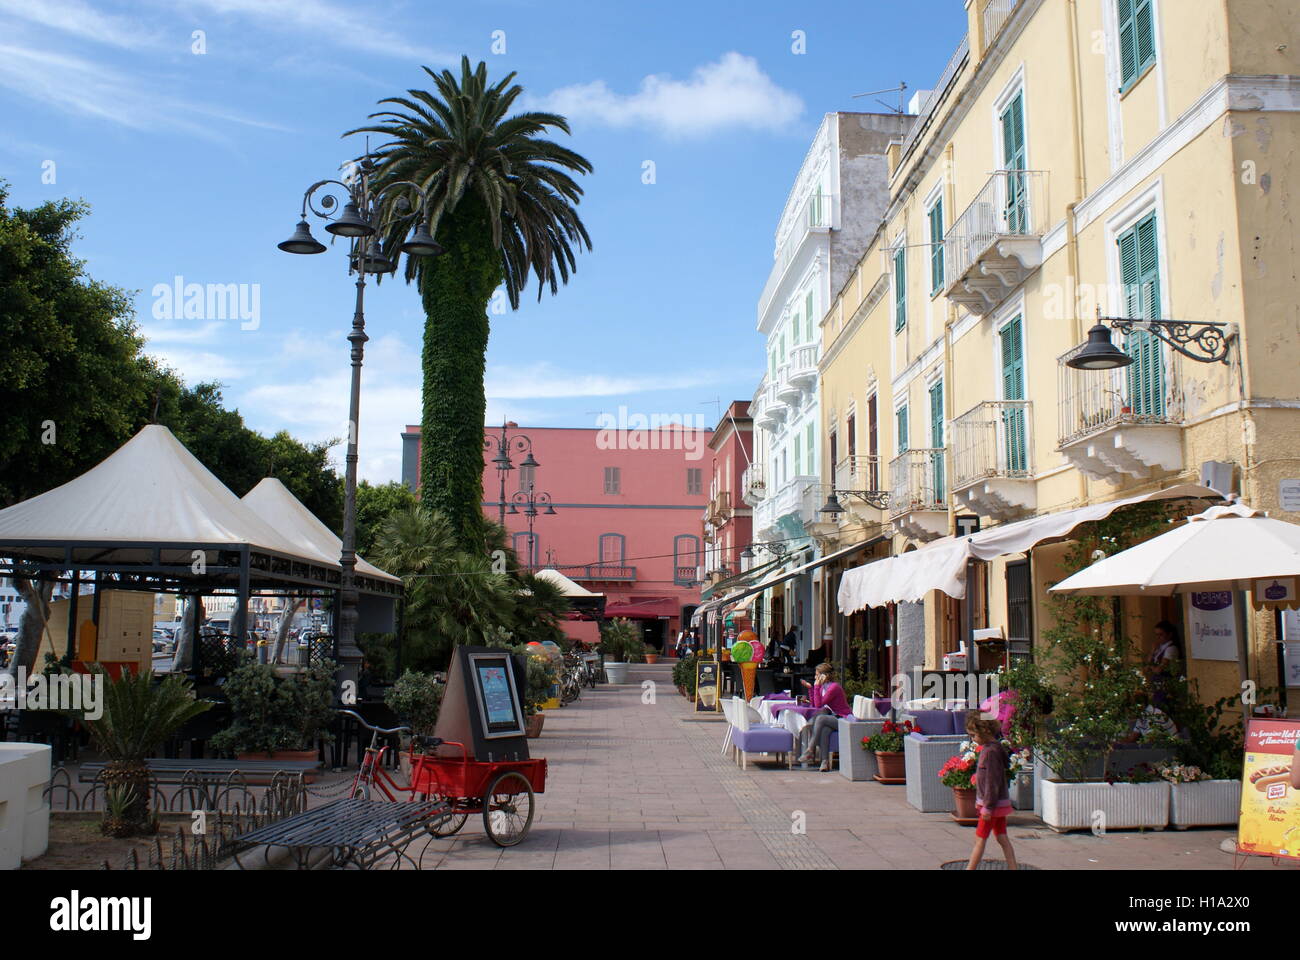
(827, 696)
(1166, 663)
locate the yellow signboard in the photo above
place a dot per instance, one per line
(1270, 800)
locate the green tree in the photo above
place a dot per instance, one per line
(375, 504)
(503, 206)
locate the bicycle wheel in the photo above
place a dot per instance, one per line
(508, 809)
(360, 790)
(449, 825)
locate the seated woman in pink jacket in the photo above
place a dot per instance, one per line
(828, 696)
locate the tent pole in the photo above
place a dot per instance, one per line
(72, 614)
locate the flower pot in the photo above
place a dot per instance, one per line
(616, 672)
(681, 688)
(964, 802)
(1206, 803)
(533, 725)
(891, 765)
(652, 658)
(748, 673)
(1109, 806)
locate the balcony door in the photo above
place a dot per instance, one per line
(1013, 160)
(1013, 388)
(1140, 271)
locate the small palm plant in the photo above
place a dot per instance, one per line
(137, 718)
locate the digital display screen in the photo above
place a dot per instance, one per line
(498, 704)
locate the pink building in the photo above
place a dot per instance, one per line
(728, 519)
(627, 502)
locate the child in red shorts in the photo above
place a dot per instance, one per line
(991, 795)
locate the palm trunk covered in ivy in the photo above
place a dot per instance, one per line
(502, 205)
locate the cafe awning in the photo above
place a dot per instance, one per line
(941, 565)
(784, 575)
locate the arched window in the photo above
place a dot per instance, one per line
(686, 558)
(613, 548)
(525, 550)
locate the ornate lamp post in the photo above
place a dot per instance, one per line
(529, 500)
(359, 222)
(1204, 342)
(503, 445)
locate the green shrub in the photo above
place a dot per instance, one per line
(273, 713)
(415, 698)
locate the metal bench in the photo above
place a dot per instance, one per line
(356, 833)
(212, 784)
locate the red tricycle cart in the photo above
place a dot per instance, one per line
(502, 790)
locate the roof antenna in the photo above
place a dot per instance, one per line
(901, 88)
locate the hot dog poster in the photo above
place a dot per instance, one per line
(1270, 806)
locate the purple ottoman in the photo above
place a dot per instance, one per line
(762, 738)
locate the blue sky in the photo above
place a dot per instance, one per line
(195, 163)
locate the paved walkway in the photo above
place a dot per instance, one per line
(636, 785)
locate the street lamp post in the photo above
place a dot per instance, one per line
(359, 222)
(503, 444)
(529, 500)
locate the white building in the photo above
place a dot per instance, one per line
(832, 211)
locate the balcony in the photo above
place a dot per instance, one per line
(997, 241)
(753, 485)
(816, 523)
(803, 367)
(918, 502)
(687, 576)
(992, 468)
(719, 510)
(787, 391)
(786, 501)
(1113, 425)
(814, 217)
(600, 572)
(858, 473)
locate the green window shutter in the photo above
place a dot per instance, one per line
(936, 441)
(808, 314)
(1128, 59)
(1013, 388)
(798, 458)
(782, 356)
(1144, 34)
(1140, 274)
(1013, 155)
(812, 461)
(795, 330)
(936, 247)
(901, 416)
(900, 288)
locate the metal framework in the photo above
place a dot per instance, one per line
(1204, 342)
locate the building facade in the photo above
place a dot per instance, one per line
(838, 197)
(627, 504)
(1101, 158)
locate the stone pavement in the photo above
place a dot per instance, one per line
(644, 786)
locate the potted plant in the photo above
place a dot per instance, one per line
(537, 690)
(958, 772)
(277, 718)
(1205, 773)
(138, 715)
(415, 698)
(651, 655)
(887, 745)
(620, 645)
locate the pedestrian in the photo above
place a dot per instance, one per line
(992, 798)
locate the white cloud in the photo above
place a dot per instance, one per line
(207, 333)
(81, 20)
(83, 87)
(199, 366)
(732, 93)
(544, 381)
(352, 26)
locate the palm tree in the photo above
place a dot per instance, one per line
(503, 206)
(138, 716)
(452, 596)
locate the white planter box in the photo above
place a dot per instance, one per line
(1207, 803)
(1114, 806)
(616, 672)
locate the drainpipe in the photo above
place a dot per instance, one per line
(1080, 191)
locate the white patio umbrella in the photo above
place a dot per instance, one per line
(1228, 547)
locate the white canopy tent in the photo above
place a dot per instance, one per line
(272, 502)
(941, 565)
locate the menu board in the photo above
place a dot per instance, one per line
(1270, 805)
(707, 679)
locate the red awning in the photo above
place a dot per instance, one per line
(649, 609)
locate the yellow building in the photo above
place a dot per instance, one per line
(1076, 159)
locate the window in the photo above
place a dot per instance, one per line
(936, 246)
(900, 288)
(808, 313)
(1137, 40)
(611, 480)
(1140, 275)
(798, 458)
(1013, 388)
(613, 548)
(834, 447)
(1020, 611)
(526, 477)
(936, 441)
(851, 428)
(782, 354)
(810, 439)
(1013, 159)
(796, 330)
(686, 552)
(901, 427)
(694, 481)
(873, 450)
(525, 547)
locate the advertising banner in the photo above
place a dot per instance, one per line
(1270, 804)
(1212, 625)
(707, 686)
